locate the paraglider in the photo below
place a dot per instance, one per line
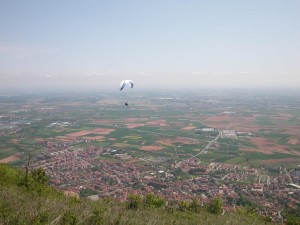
(124, 84)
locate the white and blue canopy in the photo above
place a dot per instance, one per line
(125, 83)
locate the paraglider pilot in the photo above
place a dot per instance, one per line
(125, 83)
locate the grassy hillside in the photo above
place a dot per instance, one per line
(26, 199)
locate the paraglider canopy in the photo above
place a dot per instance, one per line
(125, 83)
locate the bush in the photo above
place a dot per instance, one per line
(195, 205)
(69, 218)
(183, 206)
(8, 175)
(134, 201)
(215, 206)
(39, 176)
(154, 201)
(293, 220)
(96, 217)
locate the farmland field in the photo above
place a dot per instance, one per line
(266, 125)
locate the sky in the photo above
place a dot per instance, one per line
(156, 43)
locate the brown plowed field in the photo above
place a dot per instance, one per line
(177, 140)
(293, 141)
(100, 131)
(14, 141)
(134, 125)
(267, 146)
(188, 128)
(9, 159)
(233, 122)
(151, 148)
(288, 160)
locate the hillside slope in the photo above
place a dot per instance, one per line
(27, 199)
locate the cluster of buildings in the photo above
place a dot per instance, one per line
(53, 146)
(75, 170)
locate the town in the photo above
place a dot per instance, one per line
(79, 171)
(236, 150)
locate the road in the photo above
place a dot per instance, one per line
(204, 149)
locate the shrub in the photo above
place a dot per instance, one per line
(293, 220)
(195, 205)
(7, 175)
(154, 201)
(96, 217)
(215, 206)
(183, 206)
(134, 201)
(69, 218)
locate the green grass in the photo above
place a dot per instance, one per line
(28, 142)
(261, 156)
(40, 204)
(215, 156)
(275, 135)
(7, 153)
(237, 160)
(264, 121)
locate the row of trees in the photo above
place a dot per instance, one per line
(157, 201)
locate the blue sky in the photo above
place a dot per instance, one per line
(179, 43)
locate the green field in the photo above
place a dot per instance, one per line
(188, 110)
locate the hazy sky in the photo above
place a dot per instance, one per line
(156, 43)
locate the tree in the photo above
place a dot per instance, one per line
(134, 201)
(39, 176)
(215, 206)
(7, 175)
(26, 179)
(154, 201)
(195, 205)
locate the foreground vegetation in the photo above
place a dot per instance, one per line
(25, 198)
